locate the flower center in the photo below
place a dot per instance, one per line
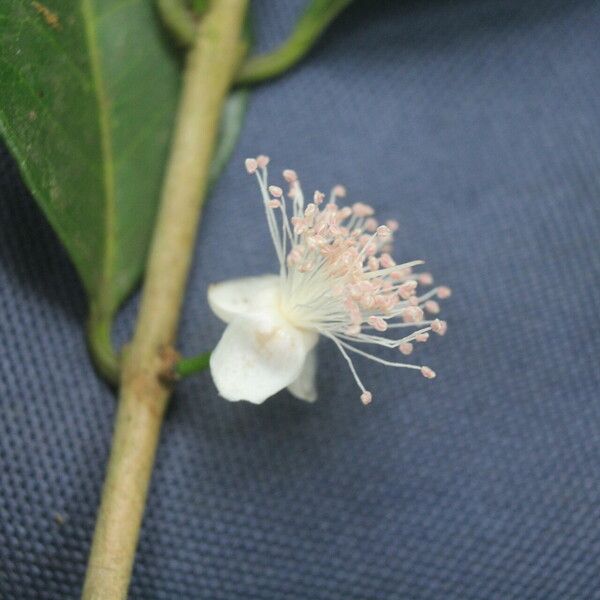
(337, 276)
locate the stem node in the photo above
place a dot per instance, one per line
(167, 373)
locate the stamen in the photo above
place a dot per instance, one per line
(339, 191)
(262, 160)
(290, 175)
(377, 323)
(371, 225)
(407, 289)
(428, 373)
(439, 327)
(373, 263)
(387, 261)
(350, 364)
(381, 361)
(366, 398)
(432, 306)
(383, 231)
(362, 210)
(412, 314)
(338, 277)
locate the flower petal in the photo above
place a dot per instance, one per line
(229, 299)
(257, 356)
(304, 386)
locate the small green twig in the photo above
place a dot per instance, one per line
(190, 366)
(310, 26)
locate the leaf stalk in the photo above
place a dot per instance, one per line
(104, 356)
(315, 19)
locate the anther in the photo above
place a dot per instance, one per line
(377, 323)
(262, 161)
(428, 373)
(293, 191)
(387, 261)
(290, 175)
(432, 307)
(362, 210)
(339, 190)
(371, 224)
(345, 212)
(412, 314)
(439, 327)
(407, 289)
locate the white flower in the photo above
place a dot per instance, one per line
(336, 279)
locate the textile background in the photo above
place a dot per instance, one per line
(477, 125)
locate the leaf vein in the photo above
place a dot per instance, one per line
(106, 147)
(139, 136)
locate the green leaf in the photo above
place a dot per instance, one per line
(89, 90)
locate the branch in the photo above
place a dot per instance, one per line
(143, 398)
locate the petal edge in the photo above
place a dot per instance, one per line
(304, 387)
(245, 295)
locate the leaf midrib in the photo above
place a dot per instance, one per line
(106, 151)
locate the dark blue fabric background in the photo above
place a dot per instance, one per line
(477, 124)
